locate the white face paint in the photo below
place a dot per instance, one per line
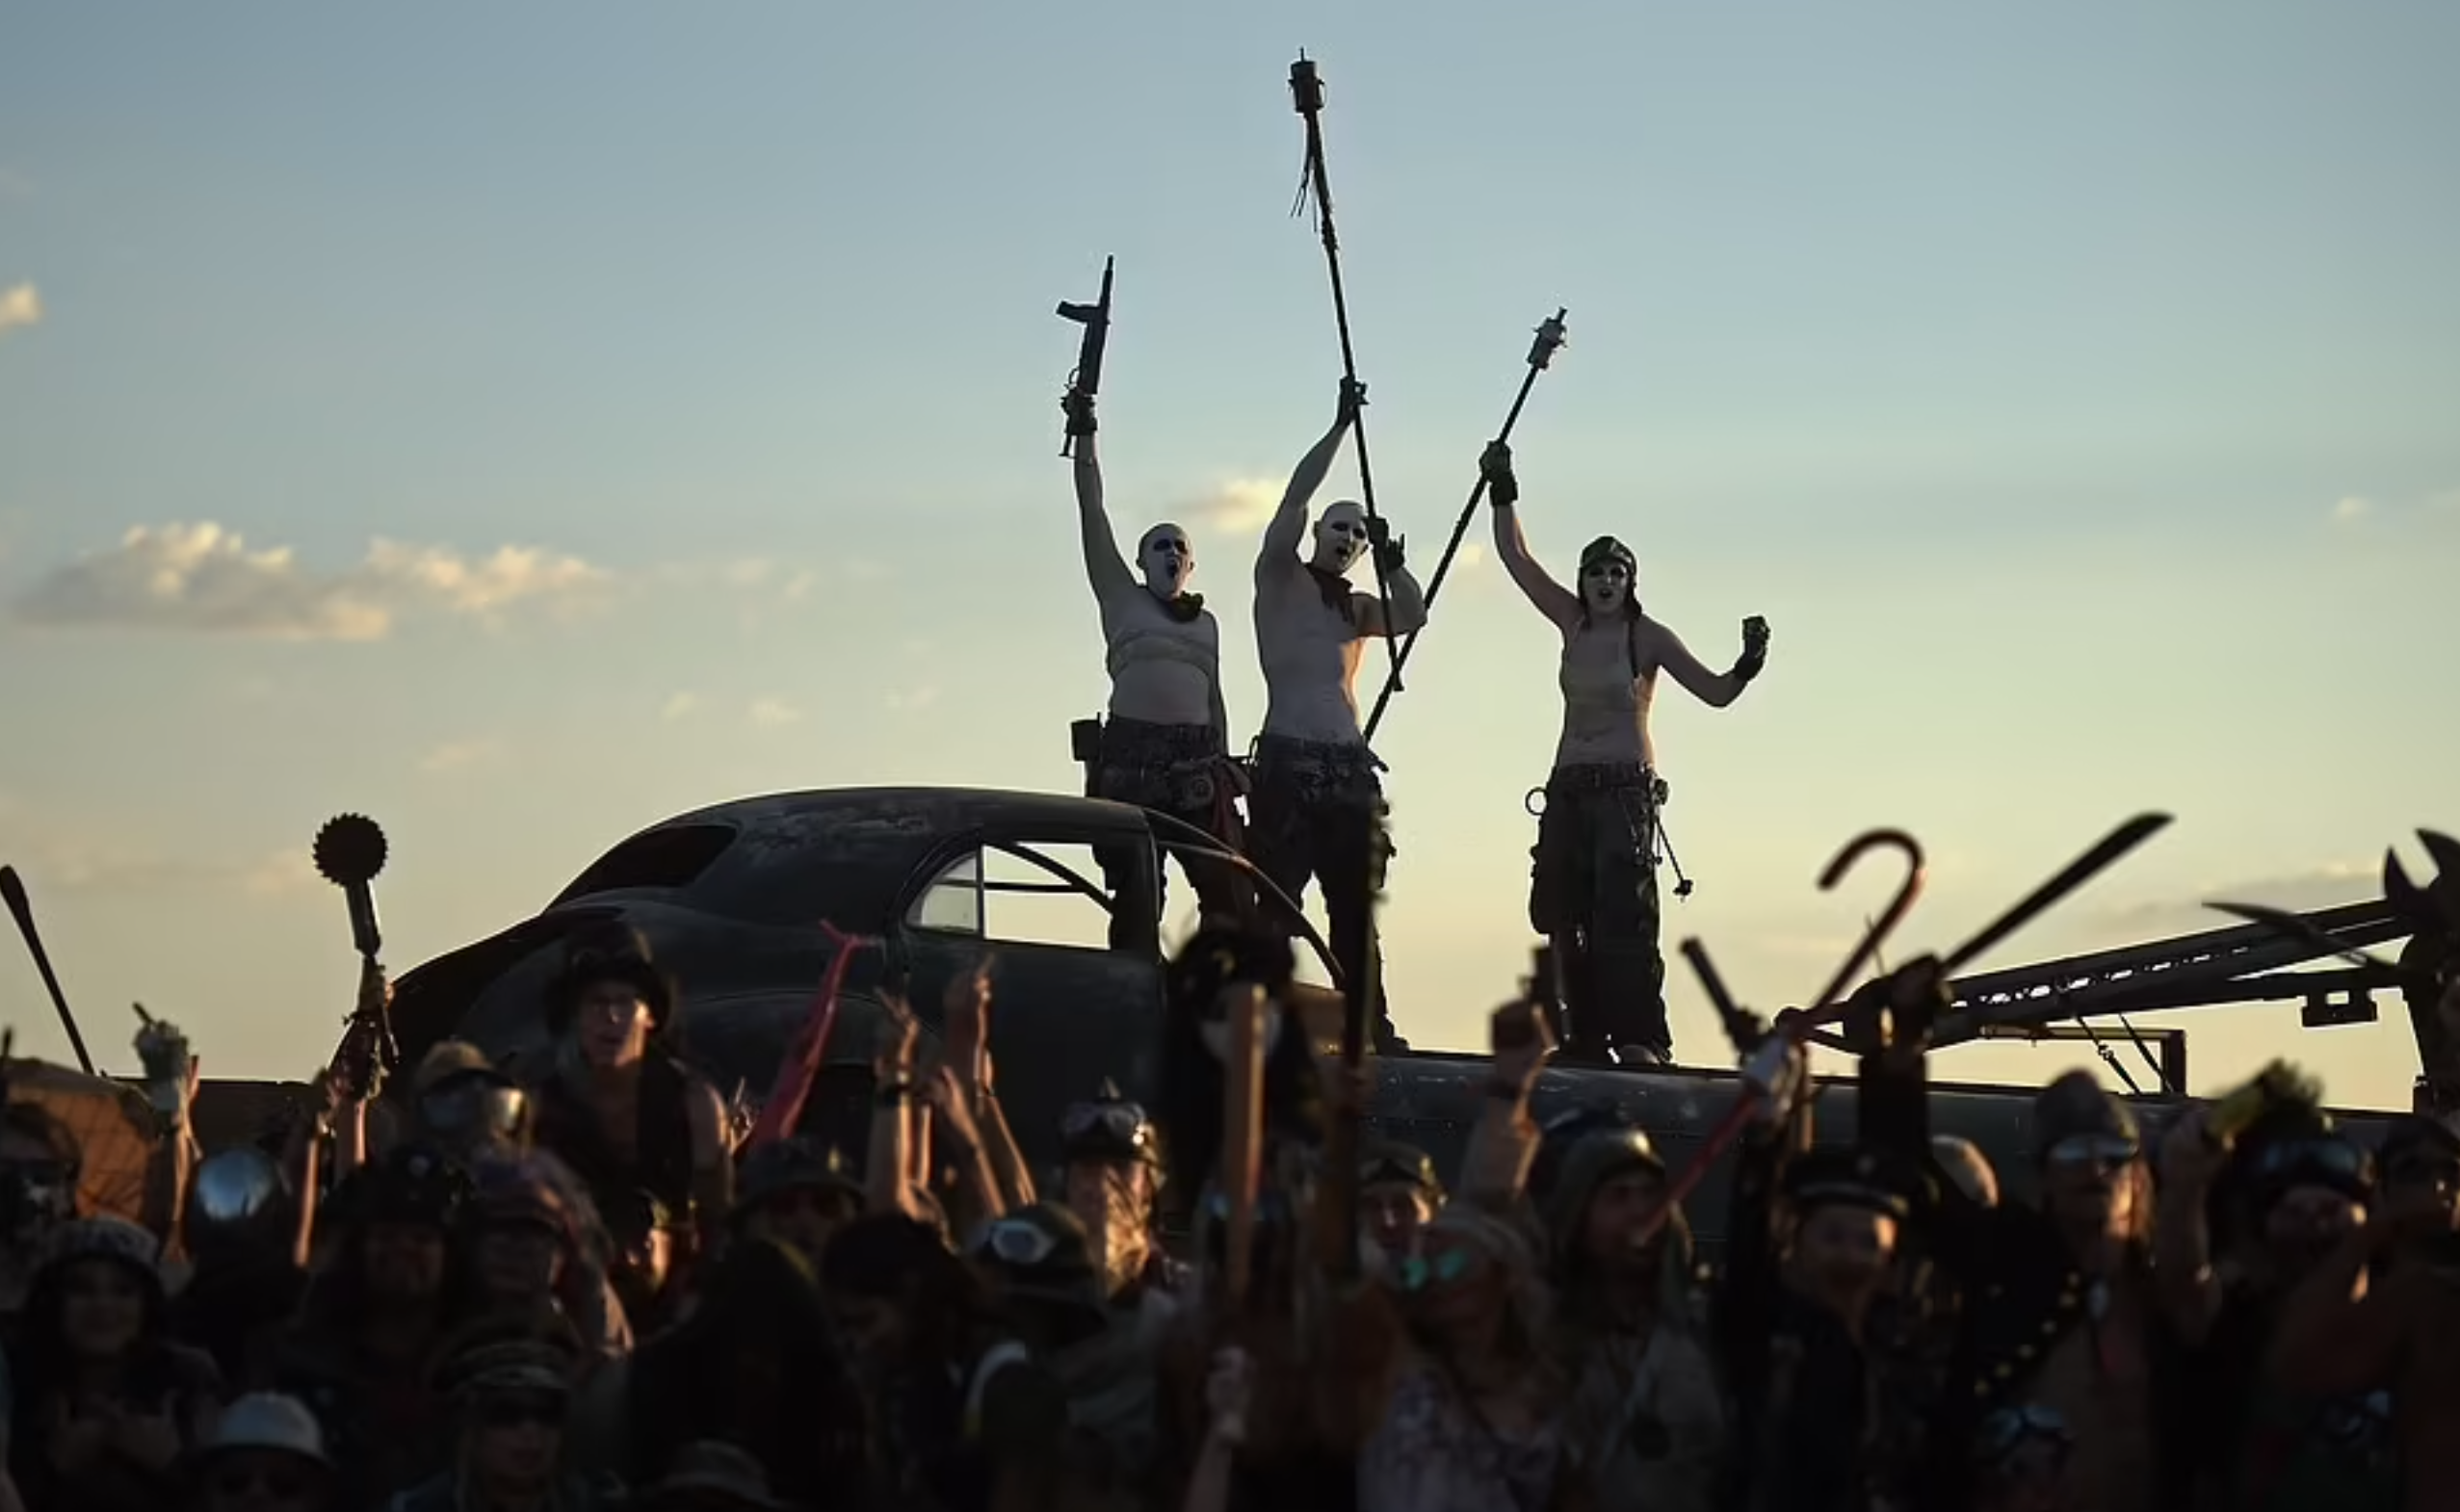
(1604, 588)
(1216, 1035)
(1168, 560)
(1341, 537)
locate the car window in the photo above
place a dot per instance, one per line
(1020, 893)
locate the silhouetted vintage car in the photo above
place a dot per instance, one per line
(732, 899)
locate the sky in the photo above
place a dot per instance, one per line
(524, 424)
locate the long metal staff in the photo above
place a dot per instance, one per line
(1549, 340)
(1307, 94)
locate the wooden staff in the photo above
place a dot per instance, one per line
(1242, 1133)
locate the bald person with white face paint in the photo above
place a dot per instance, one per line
(1318, 811)
(1166, 743)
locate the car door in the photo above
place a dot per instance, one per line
(1067, 1011)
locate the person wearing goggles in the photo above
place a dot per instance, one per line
(1113, 1186)
(463, 1105)
(2069, 1326)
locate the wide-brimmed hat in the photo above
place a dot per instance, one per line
(607, 953)
(711, 1473)
(791, 1164)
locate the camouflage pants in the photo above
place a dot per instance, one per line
(1593, 893)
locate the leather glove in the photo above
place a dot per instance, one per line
(1495, 465)
(1077, 406)
(1391, 551)
(1353, 398)
(1755, 650)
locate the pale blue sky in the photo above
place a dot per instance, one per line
(2075, 389)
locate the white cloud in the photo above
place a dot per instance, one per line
(103, 867)
(2351, 508)
(19, 307)
(773, 713)
(2326, 886)
(678, 705)
(460, 756)
(204, 578)
(1238, 506)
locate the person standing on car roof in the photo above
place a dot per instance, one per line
(1166, 743)
(643, 1132)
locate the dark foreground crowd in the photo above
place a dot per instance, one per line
(587, 1283)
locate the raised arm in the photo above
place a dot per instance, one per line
(1105, 570)
(1287, 533)
(1559, 604)
(1716, 690)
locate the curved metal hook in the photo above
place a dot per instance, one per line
(1876, 934)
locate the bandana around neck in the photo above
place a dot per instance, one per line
(1185, 608)
(1335, 589)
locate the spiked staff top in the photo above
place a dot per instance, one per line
(349, 851)
(1551, 339)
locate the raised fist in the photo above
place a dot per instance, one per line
(1353, 398)
(1495, 465)
(1755, 649)
(1077, 406)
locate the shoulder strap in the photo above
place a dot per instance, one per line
(999, 1356)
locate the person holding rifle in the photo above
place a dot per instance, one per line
(1319, 807)
(1164, 744)
(1593, 885)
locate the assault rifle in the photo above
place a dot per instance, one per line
(1087, 380)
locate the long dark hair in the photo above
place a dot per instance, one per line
(43, 1365)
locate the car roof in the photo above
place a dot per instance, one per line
(838, 853)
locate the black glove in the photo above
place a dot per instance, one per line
(1391, 551)
(1755, 650)
(1495, 465)
(1353, 398)
(1077, 406)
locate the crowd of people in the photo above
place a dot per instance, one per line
(580, 1283)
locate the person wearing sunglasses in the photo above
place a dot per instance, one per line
(266, 1454)
(2063, 1317)
(621, 1108)
(1113, 1183)
(2285, 1195)
(1473, 1417)
(1812, 1252)
(509, 1400)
